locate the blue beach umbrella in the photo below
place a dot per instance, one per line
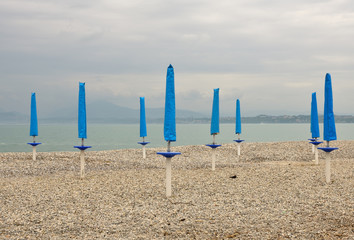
(82, 124)
(315, 129)
(214, 127)
(238, 117)
(143, 132)
(142, 118)
(34, 121)
(34, 125)
(169, 125)
(238, 126)
(170, 107)
(329, 127)
(82, 127)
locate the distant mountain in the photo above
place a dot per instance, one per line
(13, 117)
(106, 112)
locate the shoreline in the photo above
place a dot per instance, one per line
(278, 192)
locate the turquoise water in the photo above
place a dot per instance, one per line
(117, 136)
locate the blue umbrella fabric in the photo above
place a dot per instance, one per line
(143, 132)
(214, 127)
(82, 124)
(238, 117)
(315, 129)
(170, 106)
(329, 127)
(34, 120)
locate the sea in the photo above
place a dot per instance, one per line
(62, 137)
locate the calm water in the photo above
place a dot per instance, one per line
(113, 136)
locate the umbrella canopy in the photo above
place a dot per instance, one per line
(170, 106)
(142, 118)
(214, 127)
(238, 117)
(329, 127)
(82, 125)
(315, 129)
(34, 121)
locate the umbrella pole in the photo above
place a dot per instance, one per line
(82, 160)
(34, 150)
(316, 156)
(328, 166)
(144, 151)
(313, 148)
(168, 172)
(213, 157)
(238, 145)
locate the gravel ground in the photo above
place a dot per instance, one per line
(277, 193)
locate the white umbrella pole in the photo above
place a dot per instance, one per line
(328, 167)
(34, 153)
(213, 159)
(316, 156)
(168, 177)
(168, 172)
(82, 163)
(34, 157)
(82, 160)
(313, 148)
(238, 145)
(144, 150)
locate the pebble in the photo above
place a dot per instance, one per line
(272, 191)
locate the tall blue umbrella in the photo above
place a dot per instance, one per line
(315, 129)
(238, 127)
(34, 120)
(214, 127)
(34, 125)
(238, 117)
(170, 107)
(169, 125)
(82, 127)
(329, 128)
(142, 118)
(143, 132)
(82, 124)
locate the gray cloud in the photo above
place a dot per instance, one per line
(270, 54)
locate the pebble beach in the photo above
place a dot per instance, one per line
(272, 191)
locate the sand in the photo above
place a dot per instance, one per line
(277, 192)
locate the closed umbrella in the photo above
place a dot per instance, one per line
(315, 129)
(238, 127)
(34, 125)
(82, 127)
(329, 127)
(169, 125)
(143, 132)
(214, 126)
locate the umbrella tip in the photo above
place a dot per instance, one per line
(328, 75)
(170, 66)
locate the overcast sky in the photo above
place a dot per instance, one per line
(271, 54)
